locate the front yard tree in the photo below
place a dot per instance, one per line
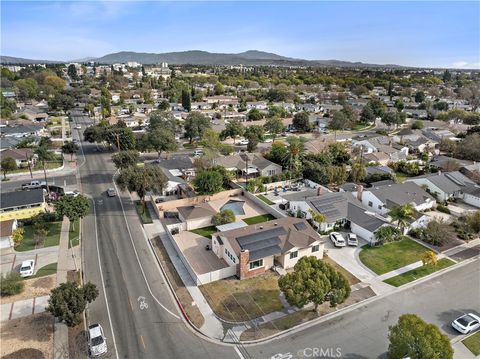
(208, 181)
(142, 180)
(301, 122)
(8, 164)
(358, 172)
(403, 215)
(44, 155)
(414, 338)
(429, 258)
(338, 122)
(223, 217)
(254, 115)
(254, 134)
(314, 281)
(160, 140)
(386, 234)
(73, 208)
(68, 301)
(367, 115)
(17, 236)
(274, 126)
(317, 218)
(125, 159)
(438, 233)
(195, 125)
(70, 148)
(233, 129)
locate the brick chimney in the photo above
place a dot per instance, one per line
(320, 190)
(243, 265)
(359, 192)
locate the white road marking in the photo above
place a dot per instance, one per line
(103, 284)
(136, 255)
(238, 352)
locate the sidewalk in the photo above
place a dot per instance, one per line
(66, 169)
(23, 308)
(460, 351)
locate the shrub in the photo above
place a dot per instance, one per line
(223, 217)
(11, 284)
(443, 209)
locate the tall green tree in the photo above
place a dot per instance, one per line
(274, 125)
(338, 122)
(358, 172)
(233, 129)
(295, 151)
(125, 159)
(68, 301)
(160, 140)
(70, 148)
(402, 215)
(314, 281)
(301, 122)
(419, 96)
(72, 207)
(208, 181)
(186, 100)
(254, 134)
(144, 179)
(414, 338)
(254, 115)
(44, 155)
(367, 115)
(195, 125)
(8, 164)
(164, 120)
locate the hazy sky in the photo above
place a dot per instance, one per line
(445, 34)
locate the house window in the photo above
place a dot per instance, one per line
(315, 248)
(380, 206)
(370, 204)
(256, 264)
(294, 255)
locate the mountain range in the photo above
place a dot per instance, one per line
(197, 57)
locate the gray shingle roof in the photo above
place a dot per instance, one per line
(21, 198)
(359, 216)
(401, 193)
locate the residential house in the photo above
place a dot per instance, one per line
(196, 216)
(444, 186)
(22, 204)
(22, 130)
(258, 105)
(472, 171)
(395, 152)
(257, 248)
(446, 163)
(6, 230)
(382, 199)
(471, 196)
(201, 106)
(308, 107)
(252, 164)
(22, 156)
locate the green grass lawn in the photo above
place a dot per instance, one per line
(259, 219)
(74, 234)
(143, 213)
(46, 270)
(414, 274)
(52, 239)
(240, 300)
(400, 177)
(473, 343)
(391, 256)
(265, 199)
(205, 231)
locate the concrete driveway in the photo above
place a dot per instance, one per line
(11, 260)
(347, 257)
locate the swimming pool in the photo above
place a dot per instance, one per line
(235, 206)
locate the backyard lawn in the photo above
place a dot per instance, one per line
(205, 231)
(473, 343)
(265, 199)
(242, 300)
(417, 273)
(74, 234)
(46, 270)
(391, 256)
(52, 239)
(143, 213)
(259, 219)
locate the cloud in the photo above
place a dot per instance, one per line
(466, 65)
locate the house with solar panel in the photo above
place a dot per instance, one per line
(279, 243)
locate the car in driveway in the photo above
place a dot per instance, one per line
(27, 268)
(97, 343)
(352, 239)
(467, 323)
(72, 193)
(111, 192)
(78, 127)
(337, 239)
(243, 142)
(198, 153)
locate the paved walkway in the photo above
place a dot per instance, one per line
(11, 260)
(460, 351)
(23, 308)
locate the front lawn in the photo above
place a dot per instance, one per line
(473, 343)
(391, 256)
(350, 277)
(46, 270)
(143, 212)
(52, 239)
(265, 199)
(417, 273)
(74, 234)
(242, 300)
(259, 219)
(205, 231)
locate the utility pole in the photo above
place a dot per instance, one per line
(118, 141)
(246, 169)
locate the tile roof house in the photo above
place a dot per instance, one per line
(256, 248)
(382, 199)
(21, 204)
(444, 185)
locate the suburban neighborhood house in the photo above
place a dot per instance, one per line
(257, 248)
(252, 164)
(22, 204)
(340, 209)
(6, 230)
(445, 186)
(382, 199)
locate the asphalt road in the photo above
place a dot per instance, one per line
(62, 180)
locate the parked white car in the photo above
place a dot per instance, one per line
(198, 153)
(27, 268)
(72, 193)
(111, 192)
(467, 323)
(337, 239)
(352, 239)
(97, 344)
(243, 142)
(78, 127)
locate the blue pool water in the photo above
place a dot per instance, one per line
(235, 206)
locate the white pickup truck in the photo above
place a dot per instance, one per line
(33, 185)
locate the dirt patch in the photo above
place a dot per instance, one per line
(183, 295)
(36, 287)
(28, 337)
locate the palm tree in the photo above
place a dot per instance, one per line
(403, 215)
(296, 148)
(44, 155)
(317, 217)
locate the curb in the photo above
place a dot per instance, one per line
(19, 174)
